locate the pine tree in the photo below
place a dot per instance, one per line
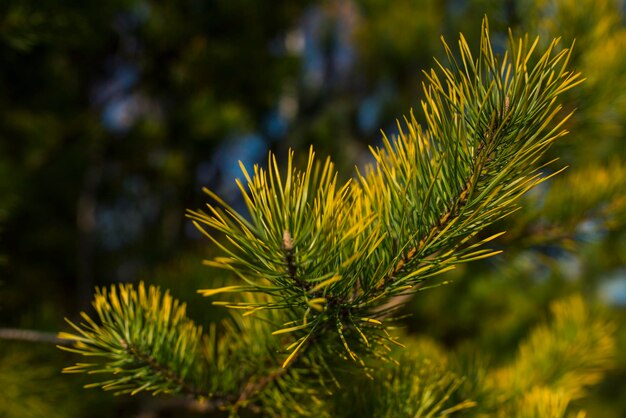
(323, 269)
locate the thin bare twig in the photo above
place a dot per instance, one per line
(29, 335)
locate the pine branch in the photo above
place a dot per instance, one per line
(329, 260)
(145, 342)
(493, 127)
(337, 255)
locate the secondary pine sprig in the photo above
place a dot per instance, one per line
(146, 338)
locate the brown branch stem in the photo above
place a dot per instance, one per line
(254, 386)
(480, 159)
(438, 227)
(200, 401)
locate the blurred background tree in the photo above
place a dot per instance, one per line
(114, 114)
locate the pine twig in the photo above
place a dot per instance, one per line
(28, 335)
